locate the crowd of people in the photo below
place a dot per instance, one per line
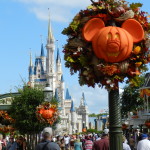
(90, 141)
(11, 143)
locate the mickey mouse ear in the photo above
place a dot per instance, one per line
(135, 29)
(91, 28)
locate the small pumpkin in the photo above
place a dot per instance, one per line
(113, 44)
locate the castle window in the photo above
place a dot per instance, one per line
(38, 76)
(39, 70)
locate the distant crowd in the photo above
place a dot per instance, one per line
(90, 141)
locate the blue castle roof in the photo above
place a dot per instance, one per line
(38, 61)
(56, 95)
(58, 56)
(42, 50)
(31, 71)
(72, 109)
(68, 97)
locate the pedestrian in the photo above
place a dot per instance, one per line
(88, 144)
(144, 144)
(102, 144)
(78, 145)
(10, 143)
(67, 141)
(125, 145)
(47, 143)
(62, 144)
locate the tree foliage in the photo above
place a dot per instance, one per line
(130, 99)
(23, 110)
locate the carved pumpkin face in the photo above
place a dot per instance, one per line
(47, 114)
(113, 44)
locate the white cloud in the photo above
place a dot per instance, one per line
(61, 11)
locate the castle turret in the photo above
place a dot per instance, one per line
(68, 97)
(83, 111)
(73, 117)
(31, 72)
(50, 46)
(43, 57)
(58, 66)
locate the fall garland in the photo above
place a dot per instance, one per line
(6, 116)
(8, 128)
(79, 55)
(47, 112)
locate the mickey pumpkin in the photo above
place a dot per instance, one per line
(111, 43)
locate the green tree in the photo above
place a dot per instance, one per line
(130, 99)
(23, 110)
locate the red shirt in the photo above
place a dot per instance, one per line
(102, 144)
(88, 144)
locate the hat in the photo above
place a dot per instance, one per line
(143, 136)
(106, 131)
(47, 130)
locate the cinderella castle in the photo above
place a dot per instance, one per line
(48, 70)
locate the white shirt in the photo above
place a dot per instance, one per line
(66, 139)
(143, 145)
(126, 146)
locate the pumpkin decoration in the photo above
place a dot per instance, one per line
(47, 112)
(84, 130)
(113, 44)
(112, 37)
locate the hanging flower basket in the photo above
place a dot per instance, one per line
(47, 112)
(108, 42)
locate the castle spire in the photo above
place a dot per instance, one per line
(72, 109)
(31, 64)
(84, 100)
(50, 35)
(68, 97)
(31, 72)
(42, 51)
(58, 59)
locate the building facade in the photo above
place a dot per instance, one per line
(48, 70)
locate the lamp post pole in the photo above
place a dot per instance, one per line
(115, 131)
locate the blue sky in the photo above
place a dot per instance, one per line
(21, 24)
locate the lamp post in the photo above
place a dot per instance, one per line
(48, 93)
(115, 130)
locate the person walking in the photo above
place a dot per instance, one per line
(88, 144)
(102, 144)
(143, 144)
(47, 143)
(78, 145)
(125, 145)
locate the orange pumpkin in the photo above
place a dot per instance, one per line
(84, 130)
(113, 44)
(48, 113)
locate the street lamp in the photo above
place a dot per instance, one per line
(48, 93)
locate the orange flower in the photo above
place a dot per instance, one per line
(110, 70)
